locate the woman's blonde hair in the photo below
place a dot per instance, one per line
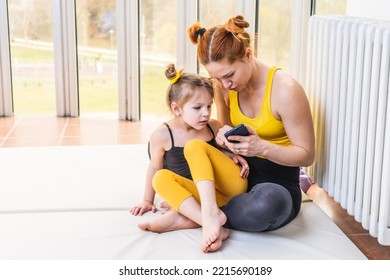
(223, 41)
(183, 85)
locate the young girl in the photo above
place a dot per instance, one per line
(187, 168)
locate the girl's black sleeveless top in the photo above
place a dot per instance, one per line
(174, 159)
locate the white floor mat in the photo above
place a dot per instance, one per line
(72, 203)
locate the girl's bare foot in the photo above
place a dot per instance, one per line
(170, 221)
(223, 235)
(212, 228)
(165, 207)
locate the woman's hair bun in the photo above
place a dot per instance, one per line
(194, 31)
(236, 24)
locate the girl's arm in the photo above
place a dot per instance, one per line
(157, 151)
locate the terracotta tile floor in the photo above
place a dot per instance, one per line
(108, 130)
(91, 130)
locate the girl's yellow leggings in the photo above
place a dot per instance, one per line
(206, 163)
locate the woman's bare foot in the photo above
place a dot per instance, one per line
(223, 235)
(212, 228)
(170, 221)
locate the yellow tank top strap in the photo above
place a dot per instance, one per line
(266, 108)
(236, 115)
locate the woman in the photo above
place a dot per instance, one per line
(276, 111)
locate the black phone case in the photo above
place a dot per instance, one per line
(240, 130)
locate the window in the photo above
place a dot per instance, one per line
(273, 38)
(217, 12)
(323, 7)
(32, 60)
(97, 56)
(158, 49)
(98, 47)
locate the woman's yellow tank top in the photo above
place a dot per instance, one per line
(267, 126)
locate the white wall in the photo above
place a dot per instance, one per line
(378, 9)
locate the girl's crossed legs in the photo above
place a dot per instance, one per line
(216, 179)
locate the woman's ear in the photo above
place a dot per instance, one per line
(176, 109)
(248, 54)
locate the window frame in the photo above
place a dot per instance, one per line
(6, 98)
(128, 46)
(65, 58)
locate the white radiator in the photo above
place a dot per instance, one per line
(348, 85)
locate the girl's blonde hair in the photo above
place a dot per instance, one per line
(183, 85)
(223, 41)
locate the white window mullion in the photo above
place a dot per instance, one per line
(187, 13)
(65, 56)
(248, 9)
(299, 24)
(6, 102)
(128, 59)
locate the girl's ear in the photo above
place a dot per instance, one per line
(176, 109)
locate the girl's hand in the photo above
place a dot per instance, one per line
(142, 208)
(220, 138)
(239, 160)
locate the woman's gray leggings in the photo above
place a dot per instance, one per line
(267, 206)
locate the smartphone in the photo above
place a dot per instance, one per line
(238, 130)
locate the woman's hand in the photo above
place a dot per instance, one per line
(247, 145)
(142, 208)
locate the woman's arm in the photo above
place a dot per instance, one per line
(289, 104)
(292, 107)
